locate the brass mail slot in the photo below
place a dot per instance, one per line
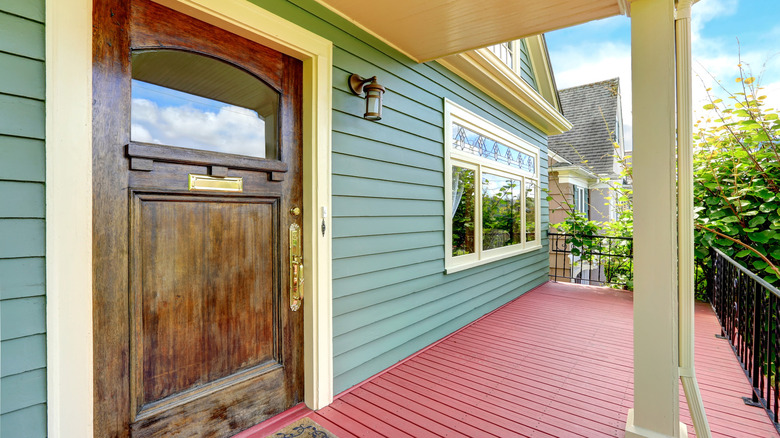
(224, 184)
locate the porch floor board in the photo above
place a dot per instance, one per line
(556, 362)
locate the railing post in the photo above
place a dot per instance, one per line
(768, 352)
(755, 348)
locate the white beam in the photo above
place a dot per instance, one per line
(656, 398)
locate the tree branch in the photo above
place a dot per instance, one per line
(748, 247)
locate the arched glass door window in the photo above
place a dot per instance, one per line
(193, 101)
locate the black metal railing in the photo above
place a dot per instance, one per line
(591, 259)
(748, 309)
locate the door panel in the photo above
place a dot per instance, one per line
(194, 335)
(205, 288)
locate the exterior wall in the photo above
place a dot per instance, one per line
(527, 71)
(561, 194)
(599, 204)
(391, 296)
(22, 232)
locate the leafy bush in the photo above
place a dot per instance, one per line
(736, 181)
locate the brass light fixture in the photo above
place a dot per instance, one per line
(374, 93)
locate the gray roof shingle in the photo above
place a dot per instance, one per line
(592, 110)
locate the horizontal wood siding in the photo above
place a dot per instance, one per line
(391, 296)
(526, 71)
(22, 226)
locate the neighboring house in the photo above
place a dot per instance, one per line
(174, 181)
(585, 162)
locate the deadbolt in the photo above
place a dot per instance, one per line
(295, 211)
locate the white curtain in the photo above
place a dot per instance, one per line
(457, 188)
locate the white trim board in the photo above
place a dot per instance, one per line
(69, 196)
(575, 175)
(69, 218)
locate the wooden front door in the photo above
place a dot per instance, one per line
(197, 192)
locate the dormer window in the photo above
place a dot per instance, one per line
(514, 55)
(504, 51)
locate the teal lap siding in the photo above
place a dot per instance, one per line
(22, 226)
(526, 70)
(391, 296)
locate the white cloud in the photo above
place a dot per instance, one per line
(139, 133)
(706, 11)
(230, 129)
(772, 91)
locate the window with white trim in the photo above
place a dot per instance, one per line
(580, 199)
(492, 182)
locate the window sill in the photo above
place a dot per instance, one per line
(462, 267)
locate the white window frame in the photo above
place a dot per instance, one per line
(454, 113)
(511, 48)
(582, 206)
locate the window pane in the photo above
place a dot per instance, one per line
(530, 211)
(466, 140)
(193, 101)
(501, 211)
(463, 204)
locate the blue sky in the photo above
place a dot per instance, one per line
(602, 49)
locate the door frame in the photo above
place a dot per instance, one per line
(68, 36)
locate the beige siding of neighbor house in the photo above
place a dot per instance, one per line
(561, 195)
(599, 204)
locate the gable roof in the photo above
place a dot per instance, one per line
(593, 111)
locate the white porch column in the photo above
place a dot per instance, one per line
(656, 399)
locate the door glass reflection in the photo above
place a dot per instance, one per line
(196, 102)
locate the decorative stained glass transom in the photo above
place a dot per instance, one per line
(466, 140)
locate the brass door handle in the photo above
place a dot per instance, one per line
(296, 268)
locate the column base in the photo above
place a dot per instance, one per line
(633, 431)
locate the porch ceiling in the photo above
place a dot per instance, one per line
(432, 29)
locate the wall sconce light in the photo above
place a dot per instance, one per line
(374, 93)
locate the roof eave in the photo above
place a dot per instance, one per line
(576, 170)
(485, 71)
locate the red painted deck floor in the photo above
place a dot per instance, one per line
(556, 362)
